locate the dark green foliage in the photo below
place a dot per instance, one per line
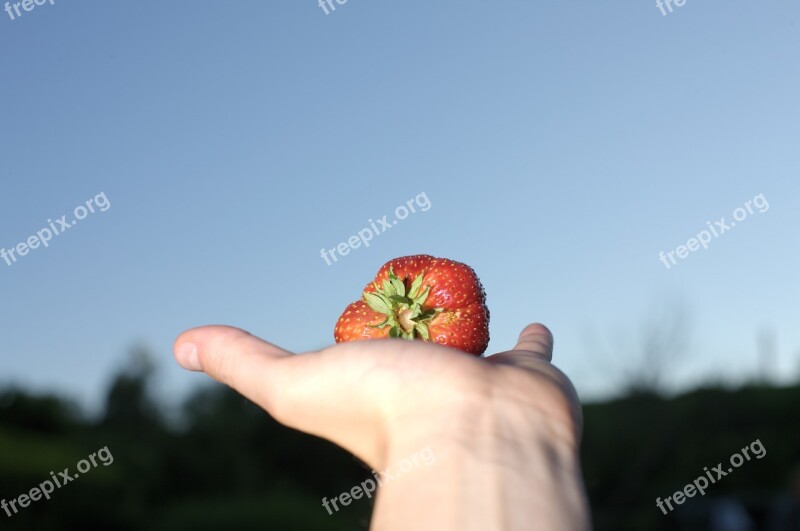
(228, 465)
(642, 447)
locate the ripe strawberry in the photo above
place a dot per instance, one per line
(420, 297)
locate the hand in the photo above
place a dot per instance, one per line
(512, 420)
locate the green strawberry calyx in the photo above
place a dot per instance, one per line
(402, 307)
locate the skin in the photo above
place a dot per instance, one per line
(505, 430)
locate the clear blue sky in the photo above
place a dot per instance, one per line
(561, 145)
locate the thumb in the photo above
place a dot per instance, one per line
(312, 392)
(236, 358)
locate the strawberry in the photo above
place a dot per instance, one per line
(420, 297)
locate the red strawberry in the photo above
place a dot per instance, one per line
(420, 297)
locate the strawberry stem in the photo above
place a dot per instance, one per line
(402, 307)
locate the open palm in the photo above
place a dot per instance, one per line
(368, 396)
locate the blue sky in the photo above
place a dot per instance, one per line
(561, 146)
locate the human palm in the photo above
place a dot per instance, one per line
(373, 397)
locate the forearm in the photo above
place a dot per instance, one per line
(498, 475)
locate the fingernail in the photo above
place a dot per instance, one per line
(187, 357)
